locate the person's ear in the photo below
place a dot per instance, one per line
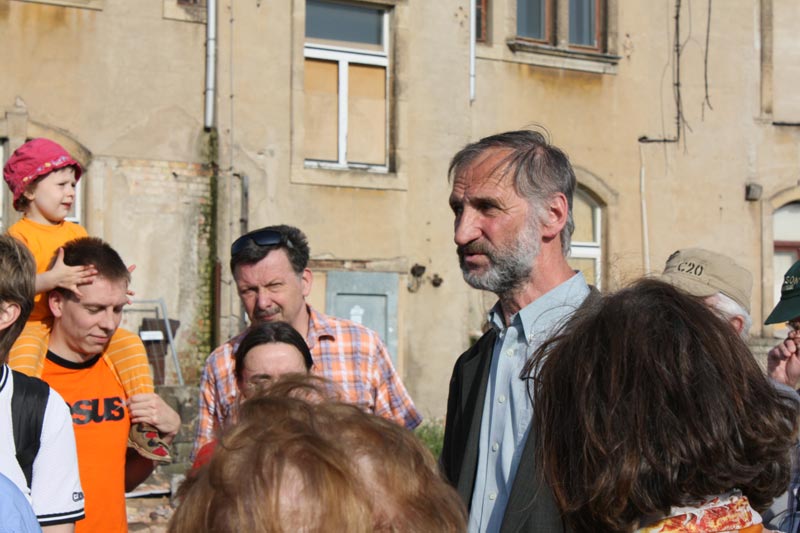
(555, 216)
(9, 313)
(307, 279)
(55, 300)
(738, 323)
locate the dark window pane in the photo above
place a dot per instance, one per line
(341, 22)
(480, 14)
(582, 22)
(531, 19)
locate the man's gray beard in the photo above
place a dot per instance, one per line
(508, 269)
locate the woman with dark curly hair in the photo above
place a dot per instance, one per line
(653, 416)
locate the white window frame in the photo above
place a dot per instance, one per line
(3, 190)
(591, 250)
(344, 56)
(78, 206)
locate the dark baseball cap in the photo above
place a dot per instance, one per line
(789, 305)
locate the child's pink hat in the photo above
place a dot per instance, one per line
(33, 160)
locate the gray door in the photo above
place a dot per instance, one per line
(369, 298)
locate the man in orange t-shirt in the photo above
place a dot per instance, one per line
(78, 370)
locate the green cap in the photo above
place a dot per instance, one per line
(789, 306)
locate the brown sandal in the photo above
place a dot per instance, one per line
(146, 440)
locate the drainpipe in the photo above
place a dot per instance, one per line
(643, 202)
(472, 50)
(211, 62)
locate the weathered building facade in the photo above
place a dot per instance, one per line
(341, 118)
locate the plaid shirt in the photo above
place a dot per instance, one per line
(350, 355)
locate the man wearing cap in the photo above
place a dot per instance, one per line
(270, 269)
(783, 366)
(783, 361)
(724, 285)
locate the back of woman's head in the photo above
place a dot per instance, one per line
(300, 460)
(408, 493)
(272, 473)
(648, 400)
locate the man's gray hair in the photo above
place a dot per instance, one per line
(537, 168)
(726, 307)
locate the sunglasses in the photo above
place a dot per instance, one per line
(261, 237)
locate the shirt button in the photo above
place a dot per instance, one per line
(495, 447)
(493, 496)
(501, 398)
(510, 352)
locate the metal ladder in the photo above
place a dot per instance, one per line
(159, 308)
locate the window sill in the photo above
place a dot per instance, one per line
(565, 58)
(183, 12)
(312, 173)
(86, 4)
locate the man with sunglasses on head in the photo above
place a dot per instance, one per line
(270, 269)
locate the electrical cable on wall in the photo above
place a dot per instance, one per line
(676, 84)
(707, 99)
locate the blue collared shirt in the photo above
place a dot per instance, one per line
(16, 513)
(507, 410)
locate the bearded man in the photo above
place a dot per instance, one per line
(512, 201)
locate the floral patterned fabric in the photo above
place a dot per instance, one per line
(729, 513)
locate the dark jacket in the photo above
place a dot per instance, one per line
(531, 506)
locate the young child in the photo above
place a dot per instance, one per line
(42, 176)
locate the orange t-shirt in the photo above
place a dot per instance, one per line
(101, 423)
(43, 242)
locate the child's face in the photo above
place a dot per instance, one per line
(52, 196)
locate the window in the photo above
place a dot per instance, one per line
(584, 28)
(586, 248)
(532, 19)
(786, 241)
(8, 214)
(536, 20)
(481, 13)
(3, 194)
(346, 79)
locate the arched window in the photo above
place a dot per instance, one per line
(7, 213)
(5, 203)
(586, 251)
(786, 241)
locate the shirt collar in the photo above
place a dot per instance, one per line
(547, 311)
(318, 326)
(4, 372)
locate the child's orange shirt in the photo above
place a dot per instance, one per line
(43, 242)
(101, 423)
(125, 355)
